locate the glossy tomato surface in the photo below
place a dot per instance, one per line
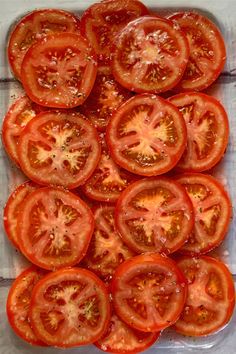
(211, 296)
(59, 71)
(154, 215)
(150, 55)
(70, 307)
(34, 26)
(102, 21)
(18, 304)
(13, 208)
(146, 135)
(54, 228)
(207, 130)
(207, 50)
(59, 148)
(212, 212)
(149, 292)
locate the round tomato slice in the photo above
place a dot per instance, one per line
(13, 208)
(149, 292)
(212, 210)
(150, 55)
(54, 228)
(154, 215)
(34, 26)
(59, 70)
(70, 307)
(106, 96)
(211, 296)
(121, 338)
(207, 131)
(102, 21)
(106, 250)
(18, 303)
(59, 148)
(207, 50)
(147, 135)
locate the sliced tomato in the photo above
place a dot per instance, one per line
(150, 55)
(154, 215)
(149, 292)
(54, 228)
(207, 50)
(13, 208)
(106, 96)
(106, 250)
(207, 130)
(121, 338)
(212, 210)
(102, 21)
(34, 26)
(59, 148)
(146, 135)
(211, 296)
(70, 307)
(59, 70)
(18, 303)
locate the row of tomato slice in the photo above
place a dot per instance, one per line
(100, 151)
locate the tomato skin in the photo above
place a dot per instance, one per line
(14, 307)
(216, 191)
(139, 262)
(191, 328)
(69, 274)
(37, 22)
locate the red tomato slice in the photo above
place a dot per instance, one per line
(106, 250)
(147, 135)
(18, 303)
(207, 51)
(154, 215)
(211, 296)
(59, 70)
(69, 308)
(207, 130)
(18, 115)
(54, 228)
(212, 210)
(120, 338)
(34, 26)
(150, 55)
(149, 292)
(102, 21)
(13, 208)
(106, 96)
(59, 148)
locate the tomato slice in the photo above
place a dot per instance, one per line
(149, 292)
(54, 228)
(102, 21)
(207, 130)
(154, 215)
(59, 70)
(34, 26)
(70, 307)
(106, 96)
(59, 148)
(13, 208)
(106, 250)
(211, 296)
(121, 338)
(207, 50)
(18, 303)
(212, 210)
(150, 55)
(147, 135)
